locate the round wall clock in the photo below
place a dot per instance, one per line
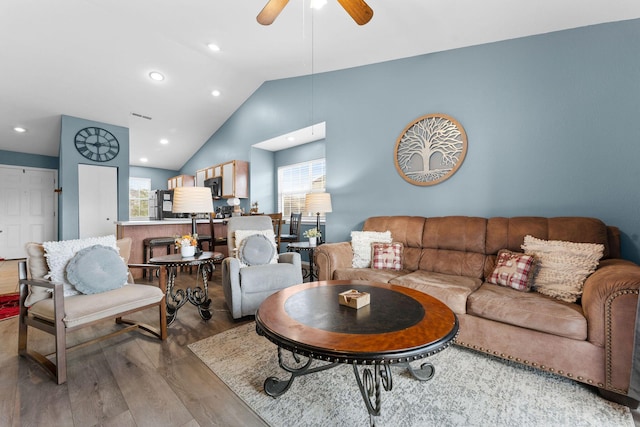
(430, 149)
(97, 144)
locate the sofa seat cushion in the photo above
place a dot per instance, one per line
(528, 310)
(370, 274)
(82, 309)
(450, 289)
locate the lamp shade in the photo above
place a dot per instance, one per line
(317, 202)
(192, 200)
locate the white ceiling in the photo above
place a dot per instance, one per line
(91, 58)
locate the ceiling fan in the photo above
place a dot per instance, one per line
(357, 9)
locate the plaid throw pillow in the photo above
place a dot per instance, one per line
(386, 256)
(514, 270)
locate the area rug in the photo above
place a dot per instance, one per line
(9, 305)
(468, 389)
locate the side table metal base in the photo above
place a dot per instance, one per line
(197, 296)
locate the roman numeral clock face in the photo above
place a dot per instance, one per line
(97, 144)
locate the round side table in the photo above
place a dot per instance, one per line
(198, 296)
(305, 247)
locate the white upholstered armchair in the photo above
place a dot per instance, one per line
(254, 270)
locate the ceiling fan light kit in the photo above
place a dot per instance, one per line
(359, 11)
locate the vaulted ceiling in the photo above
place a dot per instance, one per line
(92, 58)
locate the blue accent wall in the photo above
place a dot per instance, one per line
(68, 227)
(14, 158)
(263, 180)
(158, 177)
(552, 123)
(302, 153)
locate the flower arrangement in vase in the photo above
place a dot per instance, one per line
(187, 244)
(312, 234)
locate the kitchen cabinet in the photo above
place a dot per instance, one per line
(180, 181)
(206, 173)
(235, 179)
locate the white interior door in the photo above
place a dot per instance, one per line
(27, 209)
(97, 200)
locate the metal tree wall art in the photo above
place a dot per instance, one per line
(430, 149)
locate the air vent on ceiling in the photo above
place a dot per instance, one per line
(141, 116)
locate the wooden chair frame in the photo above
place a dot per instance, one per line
(58, 329)
(276, 220)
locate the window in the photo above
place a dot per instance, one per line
(294, 181)
(139, 190)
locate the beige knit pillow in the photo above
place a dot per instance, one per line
(562, 266)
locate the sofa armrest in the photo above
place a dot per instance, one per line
(331, 256)
(610, 304)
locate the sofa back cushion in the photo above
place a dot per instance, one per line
(454, 245)
(467, 246)
(449, 245)
(508, 233)
(404, 229)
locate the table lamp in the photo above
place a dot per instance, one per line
(318, 203)
(192, 200)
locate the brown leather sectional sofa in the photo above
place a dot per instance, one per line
(591, 341)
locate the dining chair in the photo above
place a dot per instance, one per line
(294, 229)
(276, 221)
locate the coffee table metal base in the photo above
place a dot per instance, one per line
(275, 387)
(371, 379)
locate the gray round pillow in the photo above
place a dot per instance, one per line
(96, 269)
(256, 249)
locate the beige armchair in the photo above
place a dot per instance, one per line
(44, 306)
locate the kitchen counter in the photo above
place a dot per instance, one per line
(168, 221)
(140, 230)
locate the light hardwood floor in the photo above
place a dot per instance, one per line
(129, 380)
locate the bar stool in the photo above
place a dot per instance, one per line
(151, 242)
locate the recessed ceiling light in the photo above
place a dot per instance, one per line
(144, 159)
(214, 47)
(19, 129)
(164, 141)
(215, 93)
(318, 4)
(155, 75)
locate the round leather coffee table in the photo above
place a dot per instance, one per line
(399, 325)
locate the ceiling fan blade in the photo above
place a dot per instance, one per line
(271, 11)
(358, 10)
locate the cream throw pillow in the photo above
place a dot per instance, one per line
(562, 266)
(361, 244)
